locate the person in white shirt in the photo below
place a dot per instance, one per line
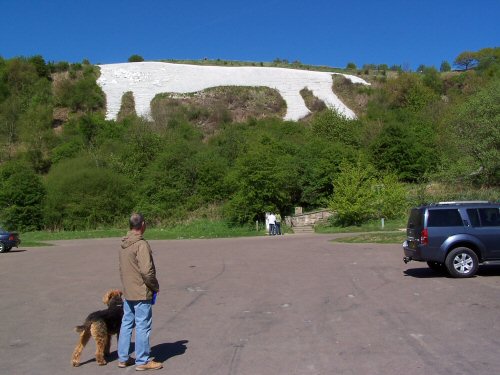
(272, 222)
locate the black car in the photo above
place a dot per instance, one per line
(454, 236)
(8, 240)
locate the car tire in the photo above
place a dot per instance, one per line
(436, 266)
(3, 248)
(462, 262)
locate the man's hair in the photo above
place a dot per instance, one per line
(136, 220)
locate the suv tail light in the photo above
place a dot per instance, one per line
(424, 237)
(12, 237)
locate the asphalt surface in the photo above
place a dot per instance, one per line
(294, 304)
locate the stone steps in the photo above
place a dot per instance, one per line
(303, 229)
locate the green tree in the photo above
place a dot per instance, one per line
(407, 91)
(331, 125)
(81, 195)
(81, 93)
(21, 197)
(318, 163)
(477, 132)
(135, 58)
(391, 201)
(264, 179)
(432, 79)
(466, 60)
(41, 68)
(489, 61)
(407, 151)
(353, 194)
(360, 195)
(445, 66)
(10, 110)
(351, 66)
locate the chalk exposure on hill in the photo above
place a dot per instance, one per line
(147, 79)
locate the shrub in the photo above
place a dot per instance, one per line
(80, 94)
(359, 195)
(330, 125)
(445, 67)
(21, 198)
(135, 58)
(81, 195)
(351, 66)
(353, 195)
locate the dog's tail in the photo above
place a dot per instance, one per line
(80, 329)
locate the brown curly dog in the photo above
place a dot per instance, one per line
(101, 325)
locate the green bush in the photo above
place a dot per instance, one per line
(333, 126)
(476, 137)
(445, 67)
(80, 94)
(351, 66)
(353, 195)
(135, 58)
(359, 195)
(21, 198)
(81, 195)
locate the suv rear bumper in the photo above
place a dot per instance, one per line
(412, 253)
(9, 243)
(422, 253)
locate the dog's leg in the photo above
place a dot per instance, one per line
(99, 332)
(108, 346)
(84, 339)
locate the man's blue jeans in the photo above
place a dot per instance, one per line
(140, 315)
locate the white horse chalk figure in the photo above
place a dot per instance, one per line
(147, 79)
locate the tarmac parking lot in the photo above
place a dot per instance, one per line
(294, 304)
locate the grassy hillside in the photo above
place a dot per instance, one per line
(225, 154)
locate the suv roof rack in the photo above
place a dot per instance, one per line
(460, 202)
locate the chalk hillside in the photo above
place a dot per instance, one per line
(147, 79)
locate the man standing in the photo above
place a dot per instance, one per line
(138, 275)
(277, 224)
(272, 221)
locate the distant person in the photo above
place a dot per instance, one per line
(138, 275)
(277, 224)
(272, 221)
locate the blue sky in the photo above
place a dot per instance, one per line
(332, 33)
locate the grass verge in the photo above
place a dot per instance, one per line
(371, 226)
(371, 232)
(192, 230)
(375, 237)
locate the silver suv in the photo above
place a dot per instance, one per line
(454, 236)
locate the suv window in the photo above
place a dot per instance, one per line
(444, 218)
(415, 220)
(474, 217)
(485, 217)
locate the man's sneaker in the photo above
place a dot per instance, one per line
(151, 365)
(127, 363)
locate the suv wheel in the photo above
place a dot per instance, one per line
(3, 248)
(462, 262)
